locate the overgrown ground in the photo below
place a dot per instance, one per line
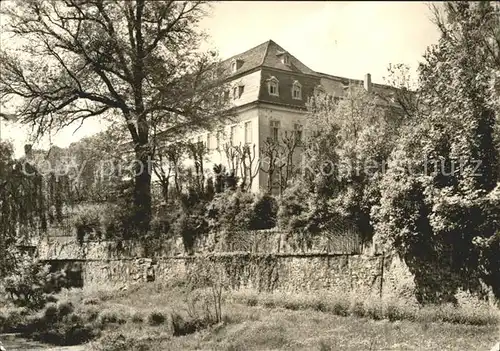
(154, 317)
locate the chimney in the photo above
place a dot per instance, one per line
(28, 150)
(368, 82)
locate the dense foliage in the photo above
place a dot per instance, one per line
(31, 284)
(22, 205)
(415, 171)
(439, 206)
(136, 63)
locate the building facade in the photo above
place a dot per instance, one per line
(269, 88)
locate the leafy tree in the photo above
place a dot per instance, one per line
(349, 142)
(96, 166)
(22, 206)
(439, 205)
(135, 61)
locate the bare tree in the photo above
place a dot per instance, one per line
(270, 153)
(167, 165)
(286, 167)
(134, 61)
(198, 151)
(232, 157)
(277, 160)
(249, 169)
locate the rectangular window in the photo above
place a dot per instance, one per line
(210, 141)
(297, 93)
(233, 135)
(298, 133)
(241, 89)
(275, 127)
(248, 132)
(273, 89)
(218, 137)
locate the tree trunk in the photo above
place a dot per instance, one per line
(142, 190)
(164, 188)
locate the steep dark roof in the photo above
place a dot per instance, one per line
(267, 54)
(251, 59)
(273, 60)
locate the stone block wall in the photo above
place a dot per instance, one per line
(261, 272)
(259, 242)
(267, 264)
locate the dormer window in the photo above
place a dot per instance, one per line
(297, 91)
(286, 59)
(272, 86)
(236, 65)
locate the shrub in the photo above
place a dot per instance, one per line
(90, 314)
(358, 309)
(70, 330)
(60, 324)
(117, 341)
(90, 301)
(231, 210)
(51, 313)
(324, 346)
(320, 306)
(156, 318)
(252, 301)
(13, 320)
(340, 307)
(111, 317)
(161, 226)
(30, 284)
(293, 208)
(374, 310)
(397, 312)
(137, 318)
(87, 220)
(65, 309)
(184, 325)
(112, 221)
(264, 212)
(190, 227)
(206, 295)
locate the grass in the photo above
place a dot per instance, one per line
(158, 317)
(371, 307)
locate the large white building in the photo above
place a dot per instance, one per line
(269, 88)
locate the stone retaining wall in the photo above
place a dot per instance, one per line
(105, 262)
(355, 273)
(259, 242)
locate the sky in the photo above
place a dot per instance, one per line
(347, 39)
